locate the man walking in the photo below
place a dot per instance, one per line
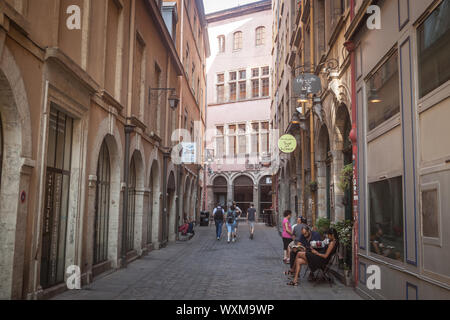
(251, 217)
(218, 214)
(237, 213)
(231, 224)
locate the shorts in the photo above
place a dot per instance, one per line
(286, 242)
(231, 227)
(252, 224)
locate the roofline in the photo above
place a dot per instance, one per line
(238, 11)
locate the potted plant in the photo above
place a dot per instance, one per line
(313, 186)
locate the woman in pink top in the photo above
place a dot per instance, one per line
(287, 234)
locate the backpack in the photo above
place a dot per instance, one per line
(219, 214)
(231, 217)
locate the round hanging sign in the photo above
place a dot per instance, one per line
(287, 143)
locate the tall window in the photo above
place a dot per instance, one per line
(265, 87)
(434, 46)
(220, 141)
(220, 88)
(255, 88)
(383, 93)
(386, 218)
(233, 86)
(237, 43)
(260, 36)
(242, 90)
(186, 62)
(221, 40)
(102, 195)
(131, 205)
(265, 141)
(255, 139)
(242, 139)
(232, 140)
(59, 154)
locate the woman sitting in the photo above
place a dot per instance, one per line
(314, 259)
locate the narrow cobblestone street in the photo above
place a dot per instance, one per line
(204, 268)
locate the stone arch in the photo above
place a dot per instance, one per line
(16, 173)
(169, 217)
(155, 202)
(323, 160)
(113, 141)
(136, 200)
(342, 156)
(244, 191)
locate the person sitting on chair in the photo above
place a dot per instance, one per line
(303, 238)
(314, 259)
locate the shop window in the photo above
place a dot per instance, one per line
(386, 218)
(383, 93)
(430, 213)
(434, 46)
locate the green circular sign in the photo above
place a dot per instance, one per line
(287, 143)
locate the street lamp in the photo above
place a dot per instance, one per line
(174, 100)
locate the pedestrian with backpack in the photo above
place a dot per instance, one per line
(219, 215)
(231, 224)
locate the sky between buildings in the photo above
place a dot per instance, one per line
(218, 5)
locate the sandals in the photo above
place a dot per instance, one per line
(292, 284)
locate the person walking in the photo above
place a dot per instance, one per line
(218, 215)
(231, 224)
(238, 213)
(251, 218)
(287, 235)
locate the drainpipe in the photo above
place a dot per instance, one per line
(354, 139)
(128, 130)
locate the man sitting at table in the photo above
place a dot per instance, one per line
(302, 242)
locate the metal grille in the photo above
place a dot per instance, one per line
(102, 199)
(59, 154)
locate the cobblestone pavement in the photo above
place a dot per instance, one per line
(206, 269)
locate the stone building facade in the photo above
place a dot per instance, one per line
(402, 100)
(305, 44)
(238, 131)
(88, 179)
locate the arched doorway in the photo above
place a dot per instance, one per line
(155, 205)
(102, 200)
(220, 189)
(325, 189)
(58, 173)
(186, 197)
(344, 144)
(169, 216)
(265, 194)
(131, 214)
(243, 193)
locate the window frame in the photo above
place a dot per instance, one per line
(238, 42)
(432, 186)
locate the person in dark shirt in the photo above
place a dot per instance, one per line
(304, 238)
(251, 218)
(307, 236)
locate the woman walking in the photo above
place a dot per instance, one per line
(231, 224)
(287, 235)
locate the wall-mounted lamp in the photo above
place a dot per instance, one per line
(374, 97)
(174, 100)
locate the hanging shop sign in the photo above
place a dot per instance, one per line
(189, 153)
(287, 143)
(307, 83)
